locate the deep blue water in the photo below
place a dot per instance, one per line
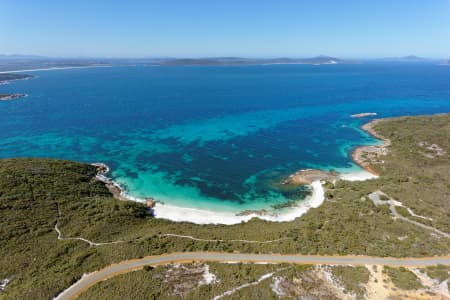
(212, 137)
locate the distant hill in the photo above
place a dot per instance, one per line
(408, 58)
(322, 60)
(20, 57)
(412, 57)
(236, 61)
(205, 61)
(27, 62)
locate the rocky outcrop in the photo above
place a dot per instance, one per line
(101, 168)
(116, 190)
(310, 175)
(112, 186)
(8, 97)
(6, 78)
(363, 115)
(252, 212)
(366, 156)
(150, 202)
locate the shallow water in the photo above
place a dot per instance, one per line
(217, 138)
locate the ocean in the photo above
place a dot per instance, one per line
(213, 138)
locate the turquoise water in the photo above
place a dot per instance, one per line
(212, 137)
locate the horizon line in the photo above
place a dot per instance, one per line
(37, 56)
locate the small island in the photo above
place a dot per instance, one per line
(309, 176)
(9, 97)
(6, 78)
(363, 115)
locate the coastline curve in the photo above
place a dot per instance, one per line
(203, 216)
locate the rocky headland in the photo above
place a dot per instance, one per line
(309, 176)
(366, 156)
(114, 188)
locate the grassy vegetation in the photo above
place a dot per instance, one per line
(352, 279)
(40, 266)
(440, 272)
(403, 278)
(403, 212)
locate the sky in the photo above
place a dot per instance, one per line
(248, 28)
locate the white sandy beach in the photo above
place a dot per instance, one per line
(204, 216)
(358, 176)
(199, 216)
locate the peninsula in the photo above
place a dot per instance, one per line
(6, 78)
(368, 156)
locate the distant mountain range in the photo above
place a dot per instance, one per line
(20, 56)
(25, 62)
(234, 61)
(409, 58)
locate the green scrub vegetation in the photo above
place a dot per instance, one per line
(37, 194)
(403, 278)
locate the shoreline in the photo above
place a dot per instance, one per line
(316, 181)
(200, 216)
(204, 216)
(364, 156)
